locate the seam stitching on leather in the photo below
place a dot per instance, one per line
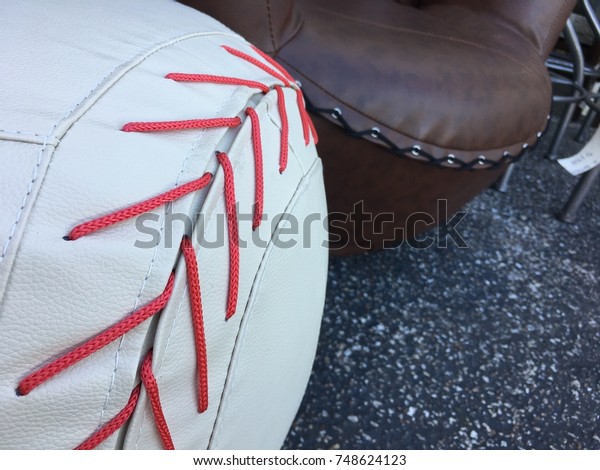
(292, 37)
(23, 133)
(34, 178)
(553, 28)
(376, 121)
(438, 36)
(270, 19)
(256, 285)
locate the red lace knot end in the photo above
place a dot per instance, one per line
(76, 233)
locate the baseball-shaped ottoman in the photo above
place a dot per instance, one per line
(162, 238)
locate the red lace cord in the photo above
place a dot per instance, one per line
(181, 125)
(273, 63)
(97, 342)
(259, 64)
(151, 385)
(258, 165)
(307, 124)
(232, 225)
(283, 157)
(303, 117)
(302, 104)
(281, 74)
(115, 424)
(138, 209)
(313, 130)
(217, 79)
(191, 263)
(199, 78)
(275, 70)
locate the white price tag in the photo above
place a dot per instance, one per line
(586, 159)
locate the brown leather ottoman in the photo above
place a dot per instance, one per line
(415, 101)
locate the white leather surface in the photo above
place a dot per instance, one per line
(261, 397)
(65, 161)
(21, 158)
(57, 44)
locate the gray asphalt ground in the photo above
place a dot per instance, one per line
(494, 346)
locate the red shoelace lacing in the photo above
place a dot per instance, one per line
(138, 316)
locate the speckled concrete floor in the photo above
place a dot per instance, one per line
(493, 346)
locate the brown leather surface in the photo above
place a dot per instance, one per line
(269, 24)
(462, 77)
(403, 191)
(459, 83)
(540, 21)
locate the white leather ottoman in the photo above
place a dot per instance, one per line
(130, 317)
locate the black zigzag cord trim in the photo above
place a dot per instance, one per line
(449, 161)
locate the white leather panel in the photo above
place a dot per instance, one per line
(63, 51)
(276, 345)
(21, 164)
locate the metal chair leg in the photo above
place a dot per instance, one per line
(585, 127)
(578, 70)
(590, 14)
(503, 183)
(583, 188)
